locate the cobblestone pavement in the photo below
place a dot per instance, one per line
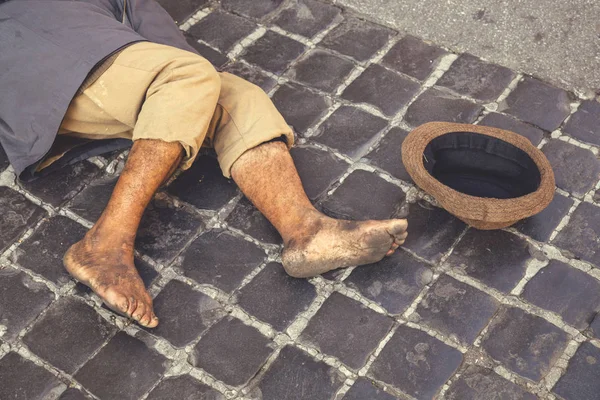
(459, 314)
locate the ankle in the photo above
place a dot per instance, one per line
(102, 237)
(306, 224)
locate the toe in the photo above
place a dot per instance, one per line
(398, 227)
(140, 312)
(133, 304)
(153, 321)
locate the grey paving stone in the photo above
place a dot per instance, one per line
(581, 236)
(581, 379)
(21, 301)
(585, 123)
(322, 70)
(222, 30)
(347, 330)
(496, 258)
(576, 170)
(594, 328)
(17, 214)
(3, 160)
(456, 309)
(538, 103)
(415, 363)
(90, 203)
(60, 186)
(216, 58)
(473, 77)
(231, 351)
(165, 230)
(184, 313)
(567, 291)
(300, 107)
(385, 89)
(350, 130)
(357, 38)
(254, 9)
(183, 387)
(203, 185)
(23, 380)
(435, 105)
(251, 74)
(72, 394)
(307, 17)
(318, 169)
(275, 297)
(103, 375)
(393, 282)
(82, 332)
(534, 134)
(388, 154)
(541, 226)
(43, 251)
(363, 196)
(477, 383)
(412, 56)
(247, 218)
(432, 231)
(524, 343)
(274, 52)
(364, 389)
(296, 376)
(180, 10)
(220, 259)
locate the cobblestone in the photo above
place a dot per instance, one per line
(364, 389)
(585, 123)
(413, 57)
(253, 75)
(300, 107)
(534, 134)
(222, 30)
(24, 380)
(581, 380)
(541, 226)
(248, 219)
(477, 383)
(16, 215)
(322, 70)
(274, 52)
(183, 387)
(256, 9)
(318, 169)
(307, 17)
(581, 236)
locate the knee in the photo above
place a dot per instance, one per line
(201, 71)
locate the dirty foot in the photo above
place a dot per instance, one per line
(328, 244)
(109, 271)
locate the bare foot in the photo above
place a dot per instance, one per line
(328, 244)
(109, 271)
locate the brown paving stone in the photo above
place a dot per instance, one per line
(17, 214)
(581, 236)
(222, 30)
(321, 70)
(23, 380)
(534, 134)
(412, 56)
(581, 379)
(318, 169)
(300, 107)
(477, 383)
(388, 156)
(273, 52)
(435, 105)
(307, 17)
(585, 123)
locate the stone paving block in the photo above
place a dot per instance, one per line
(275, 297)
(251, 74)
(254, 9)
(180, 10)
(222, 30)
(307, 17)
(393, 282)
(347, 330)
(496, 258)
(385, 89)
(526, 344)
(247, 218)
(415, 363)
(414, 57)
(203, 185)
(594, 328)
(90, 203)
(534, 134)
(538, 103)
(322, 70)
(581, 236)
(62, 185)
(72, 394)
(296, 376)
(363, 389)
(473, 77)
(184, 313)
(109, 374)
(183, 387)
(318, 169)
(456, 309)
(231, 351)
(17, 214)
(541, 226)
(23, 380)
(4, 163)
(576, 170)
(357, 38)
(300, 107)
(43, 251)
(274, 52)
(585, 123)
(432, 231)
(388, 156)
(363, 196)
(216, 58)
(21, 301)
(350, 130)
(567, 291)
(221, 259)
(82, 332)
(435, 105)
(477, 383)
(165, 230)
(581, 379)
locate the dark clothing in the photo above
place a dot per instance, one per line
(49, 47)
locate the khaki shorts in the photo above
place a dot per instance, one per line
(152, 91)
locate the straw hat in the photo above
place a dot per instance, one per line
(487, 177)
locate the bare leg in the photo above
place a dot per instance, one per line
(103, 260)
(314, 243)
